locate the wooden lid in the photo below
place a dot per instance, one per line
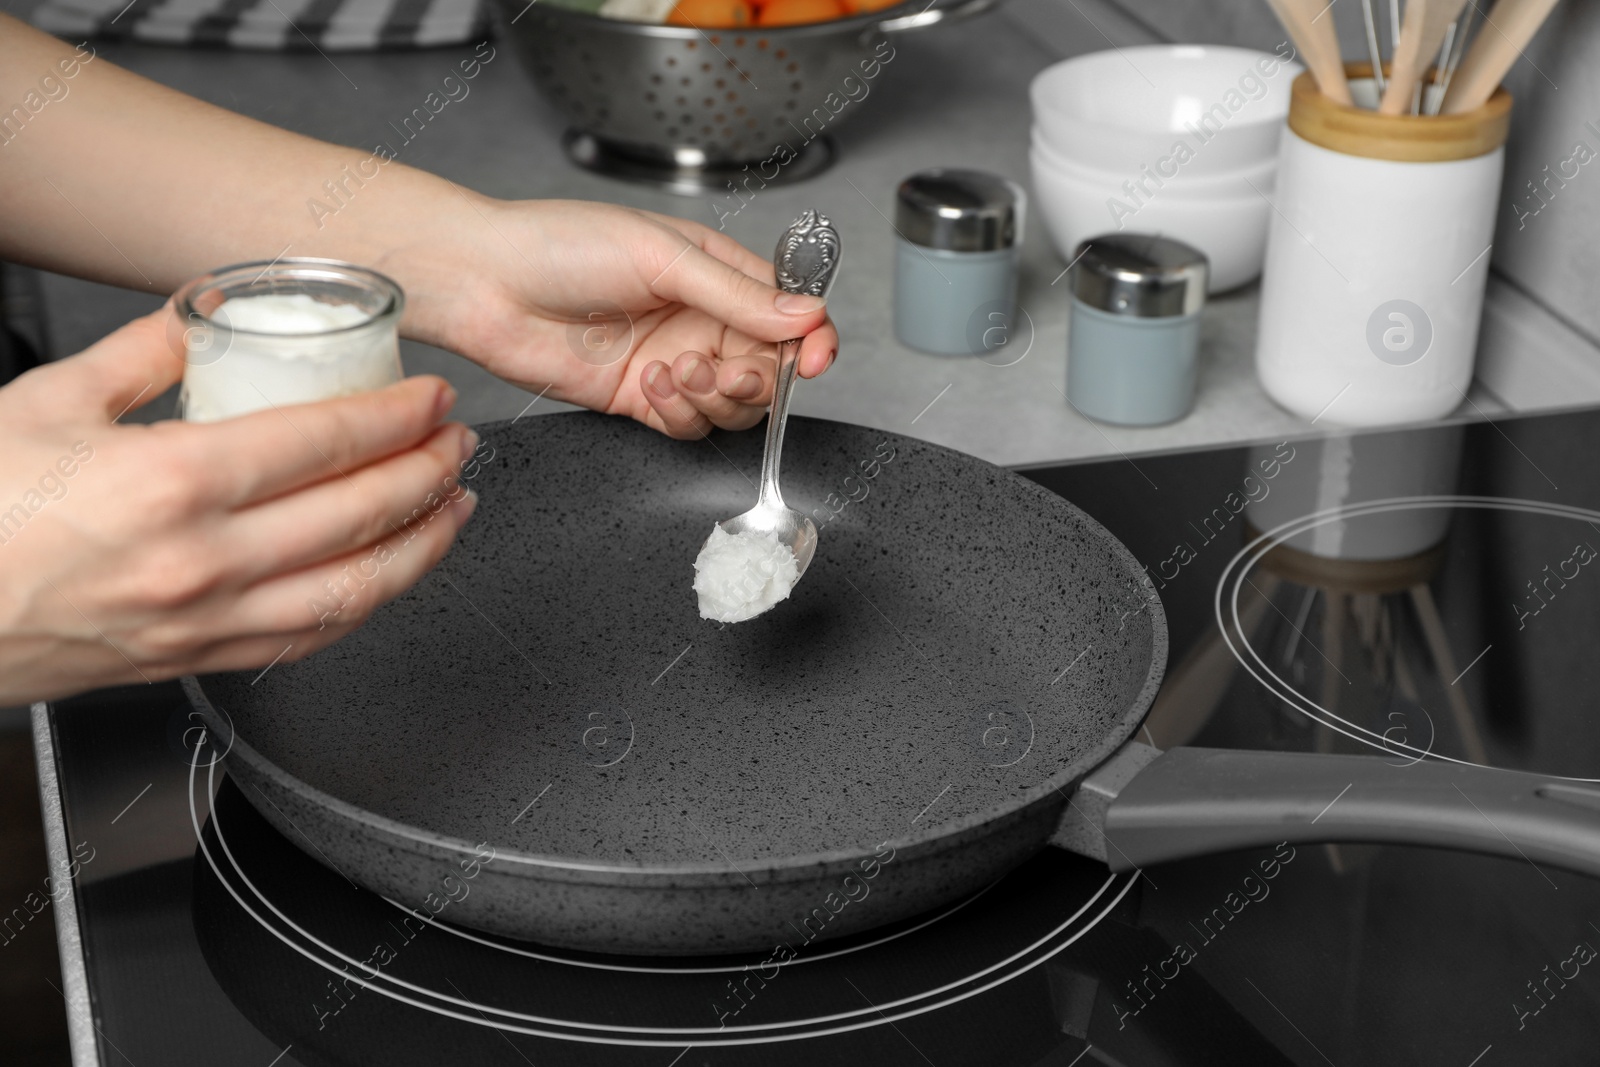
(1357, 131)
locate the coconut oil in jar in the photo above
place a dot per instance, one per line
(294, 331)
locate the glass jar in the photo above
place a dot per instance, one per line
(336, 334)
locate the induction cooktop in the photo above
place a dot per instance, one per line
(1425, 594)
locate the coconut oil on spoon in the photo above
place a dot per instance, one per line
(752, 561)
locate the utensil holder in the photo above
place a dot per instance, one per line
(1377, 257)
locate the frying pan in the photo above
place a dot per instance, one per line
(543, 739)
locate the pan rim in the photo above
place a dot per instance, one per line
(939, 837)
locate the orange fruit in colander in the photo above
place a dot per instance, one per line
(797, 12)
(712, 14)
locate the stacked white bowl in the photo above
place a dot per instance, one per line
(1176, 140)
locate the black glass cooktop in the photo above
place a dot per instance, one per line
(1422, 594)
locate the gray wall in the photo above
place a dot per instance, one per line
(1553, 256)
(1241, 22)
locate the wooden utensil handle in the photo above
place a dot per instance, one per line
(1421, 35)
(1313, 36)
(1507, 29)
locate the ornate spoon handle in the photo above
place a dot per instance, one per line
(806, 261)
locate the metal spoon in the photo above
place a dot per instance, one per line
(806, 260)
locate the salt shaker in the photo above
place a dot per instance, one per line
(958, 245)
(1134, 333)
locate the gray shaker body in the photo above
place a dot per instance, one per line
(1136, 372)
(950, 303)
(1133, 338)
(957, 253)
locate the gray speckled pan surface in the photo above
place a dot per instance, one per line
(964, 644)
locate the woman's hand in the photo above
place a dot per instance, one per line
(134, 553)
(619, 310)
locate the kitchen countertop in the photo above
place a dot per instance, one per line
(953, 95)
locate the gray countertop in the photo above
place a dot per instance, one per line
(952, 95)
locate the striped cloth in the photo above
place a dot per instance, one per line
(271, 25)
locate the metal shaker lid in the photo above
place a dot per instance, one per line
(957, 210)
(1140, 275)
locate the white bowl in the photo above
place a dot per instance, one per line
(1183, 182)
(1131, 107)
(1231, 231)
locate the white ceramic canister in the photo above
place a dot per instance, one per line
(1377, 257)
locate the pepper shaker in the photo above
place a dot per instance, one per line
(958, 246)
(1134, 334)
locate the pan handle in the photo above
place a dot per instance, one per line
(935, 13)
(1192, 801)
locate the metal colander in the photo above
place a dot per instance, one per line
(683, 100)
